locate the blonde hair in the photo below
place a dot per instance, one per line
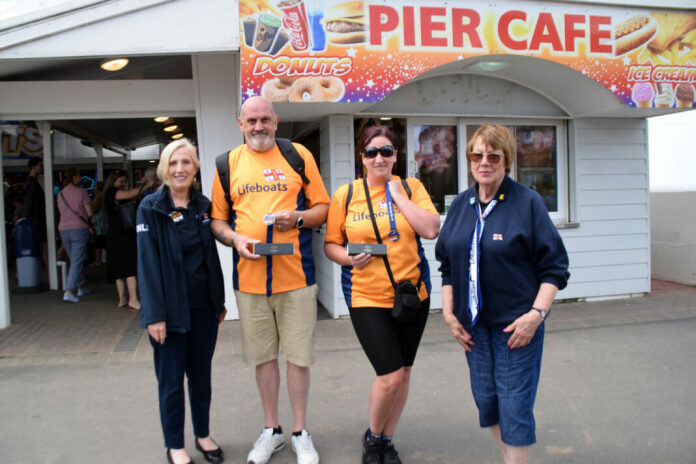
(163, 166)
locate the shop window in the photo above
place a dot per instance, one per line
(538, 163)
(435, 154)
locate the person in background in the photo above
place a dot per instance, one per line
(100, 222)
(151, 173)
(496, 301)
(75, 210)
(276, 295)
(390, 345)
(34, 204)
(121, 254)
(183, 297)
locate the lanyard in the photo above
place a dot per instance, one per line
(474, 256)
(393, 233)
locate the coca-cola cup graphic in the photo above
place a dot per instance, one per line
(296, 23)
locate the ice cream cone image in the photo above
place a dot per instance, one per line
(644, 104)
(643, 93)
(685, 96)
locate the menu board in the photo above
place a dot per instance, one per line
(361, 51)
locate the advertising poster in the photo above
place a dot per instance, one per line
(362, 50)
(20, 141)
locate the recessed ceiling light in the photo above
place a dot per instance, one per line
(178, 136)
(115, 64)
(161, 118)
(488, 66)
(385, 119)
(152, 161)
(171, 128)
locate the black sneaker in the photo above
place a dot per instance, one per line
(389, 454)
(372, 449)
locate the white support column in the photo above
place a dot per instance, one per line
(99, 150)
(128, 166)
(216, 99)
(4, 275)
(45, 129)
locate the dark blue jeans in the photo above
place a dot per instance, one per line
(504, 382)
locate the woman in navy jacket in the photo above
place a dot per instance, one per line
(502, 262)
(182, 295)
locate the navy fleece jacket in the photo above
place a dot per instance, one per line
(520, 250)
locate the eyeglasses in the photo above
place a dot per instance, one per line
(386, 151)
(493, 158)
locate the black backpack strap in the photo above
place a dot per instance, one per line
(349, 196)
(407, 189)
(293, 158)
(222, 165)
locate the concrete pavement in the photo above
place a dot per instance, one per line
(617, 386)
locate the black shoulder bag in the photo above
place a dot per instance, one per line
(406, 299)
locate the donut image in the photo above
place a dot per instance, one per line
(633, 33)
(275, 91)
(332, 87)
(288, 80)
(306, 89)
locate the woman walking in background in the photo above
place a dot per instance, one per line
(75, 210)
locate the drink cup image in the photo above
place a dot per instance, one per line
(643, 94)
(266, 31)
(280, 41)
(296, 23)
(249, 30)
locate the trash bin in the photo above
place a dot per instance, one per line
(26, 242)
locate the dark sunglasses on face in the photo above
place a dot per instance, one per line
(493, 158)
(386, 151)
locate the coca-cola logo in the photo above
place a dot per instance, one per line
(293, 22)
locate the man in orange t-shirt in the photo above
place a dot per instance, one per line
(276, 295)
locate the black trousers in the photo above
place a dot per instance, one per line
(189, 353)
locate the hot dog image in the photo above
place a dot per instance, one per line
(633, 33)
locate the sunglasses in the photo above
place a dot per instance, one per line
(493, 158)
(386, 151)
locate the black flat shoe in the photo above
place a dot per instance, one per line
(215, 456)
(171, 461)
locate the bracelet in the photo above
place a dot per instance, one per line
(234, 235)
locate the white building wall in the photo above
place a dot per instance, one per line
(610, 250)
(673, 232)
(337, 168)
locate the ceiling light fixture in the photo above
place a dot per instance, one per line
(178, 136)
(161, 118)
(115, 64)
(171, 128)
(488, 66)
(385, 119)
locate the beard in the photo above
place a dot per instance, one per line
(260, 141)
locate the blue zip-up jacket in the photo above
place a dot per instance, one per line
(520, 250)
(161, 275)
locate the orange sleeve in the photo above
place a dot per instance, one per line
(315, 191)
(336, 219)
(220, 208)
(420, 196)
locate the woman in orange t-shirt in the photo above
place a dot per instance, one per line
(402, 218)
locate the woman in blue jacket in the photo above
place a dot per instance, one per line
(502, 262)
(182, 295)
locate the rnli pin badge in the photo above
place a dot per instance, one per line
(176, 216)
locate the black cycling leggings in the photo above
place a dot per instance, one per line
(388, 343)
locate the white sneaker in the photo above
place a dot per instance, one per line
(304, 448)
(264, 447)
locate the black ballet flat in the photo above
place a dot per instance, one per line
(215, 456)
(171, 461)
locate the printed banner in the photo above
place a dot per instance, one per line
(19, 141)
(361, 51)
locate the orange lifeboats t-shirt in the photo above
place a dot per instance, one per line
(370, 286)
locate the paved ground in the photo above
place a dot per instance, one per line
(618, 384)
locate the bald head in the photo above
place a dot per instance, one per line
(259, 123)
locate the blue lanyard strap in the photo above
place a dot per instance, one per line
(393, 233)
(474, 258)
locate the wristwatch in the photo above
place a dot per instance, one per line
(542, 312)
(299, 221)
